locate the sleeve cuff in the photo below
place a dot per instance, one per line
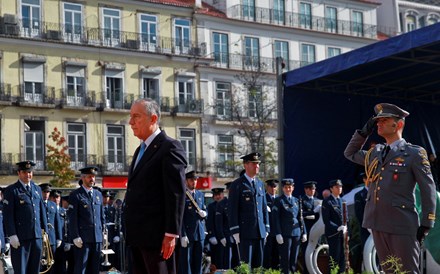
(171, 235)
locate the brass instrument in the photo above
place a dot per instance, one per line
(346, 244)
(105, 248)
(193, 202)
(47, 258)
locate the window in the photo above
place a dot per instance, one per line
(221, 51)
(255, 103)
(305, 15)
(432, 19)
(333, 51)
(252, 54)
(114, 89)
(112, 27)
(148, 25)
(34, 142)
(115, 148)
(30, 16)
(331, 19)
(188, 140)
(72, 22)
(307, 54)
(282, 50)
(33, 74)
(278, 11)
(410, 23)
(186, 93)
(75, 82)
(76, 141)
(150, 88)
(223, 99)
(249, 10)
(225, 155)
(182, 36)
(358, 23)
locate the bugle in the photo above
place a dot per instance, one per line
(47, 256)
(105, 249)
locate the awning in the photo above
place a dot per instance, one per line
(114, 182)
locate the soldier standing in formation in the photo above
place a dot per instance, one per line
(288, 226)
(214, 247)
(392, 171)
(86, 221)
(248, 216)
(25, 220)
(54, 228)
(271, 254)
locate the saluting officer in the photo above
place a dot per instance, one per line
(86, 219)
(393, 170)
(248, 216)
(24, 220)
(288, 226)
(335, 230)
(193, 228)
(214, 248)
(271, 255)
(54, 228)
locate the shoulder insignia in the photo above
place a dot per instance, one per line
(431, 216)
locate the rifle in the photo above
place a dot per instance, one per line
(346, 244)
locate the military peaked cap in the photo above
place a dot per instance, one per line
(253, 157)
(46, 187)
(89, 170)
(287, 182)
(26, 165)
(272, 182)
(389, 110)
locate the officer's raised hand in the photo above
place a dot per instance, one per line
(368, 127)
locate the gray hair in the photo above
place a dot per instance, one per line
(151, 107)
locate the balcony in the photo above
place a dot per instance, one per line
(115, 164)
(115, 101)
(302, 21)
(77, 99)
(5, 94)
(99, 37)
(78, 161)
(41, 96)
(190, 106)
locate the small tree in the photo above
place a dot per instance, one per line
(58, 160)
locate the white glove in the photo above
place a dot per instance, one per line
(67, 247)
(78, 242)
(310, 217)
(280, 239)
(116, 239)
(184, 241)
(223, 241)
(213, 241)
(236, 238)
(304, 238)
(343, 228)
(268, 209)
(7, 247)
(317, 208)
(202, 213)
(104, 237)
(14, 241)
(59, 243)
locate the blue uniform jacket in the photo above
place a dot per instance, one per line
(86, 217)
(210, 221)
(286, 217)
(23, 212)
(332, 216)
(222, 220)
(193, 225)
(54, 224)
(248, 209)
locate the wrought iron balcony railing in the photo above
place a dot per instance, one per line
(36, 94)
(115, 163)
(78, 161)
(5, 92)
(183, 105)
(78, 99)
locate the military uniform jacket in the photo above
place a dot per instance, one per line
(110, 221)
(23, 212)
(54, 225)
(193, 225)
(390, 205)
(248, 209)
(86, 216)
(210, 221)
(308, 206)
(222, 220)
(270, 201)
(359, 204)
(65, 221)
(155, 197)
(286, 216)
(331, 212)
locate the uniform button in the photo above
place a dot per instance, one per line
(378, 188)
(380, 178)
(403, 206)
(257, 203)
(377, 199)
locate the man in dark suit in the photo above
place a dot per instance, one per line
(86, 223)
(155, 198)
(393, 170)
(193, 228)
(271, 255)
(248, 216)
(24, 220)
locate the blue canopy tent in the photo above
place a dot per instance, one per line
(324, 103)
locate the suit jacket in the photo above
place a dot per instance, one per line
(390, 205)
(54, 226)
(86, 216)
(331, 212)
(193, 225)
(285, 216)
(248, 209)
(155, 197)
(23, 212)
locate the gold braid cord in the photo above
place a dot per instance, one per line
(370, 168)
